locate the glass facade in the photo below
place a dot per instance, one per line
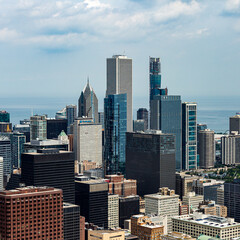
(4, 116)
(71, 111)
(189, 136)
(115, 110)
(155, 76)
(38, 128)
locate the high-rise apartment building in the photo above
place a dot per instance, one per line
(38, 127)
(142, 114)
(50, 167)
(206, 147)
(88, 103)
(163, 203)
(150, 159)
(189, 136)
(92, 197)
(166, 115)
(230, 150)
(55, 127)
(71, 221)
(4, 116)
(119, 81)
(31, 213)
(234, 123)
(1, 173)
(113, 211)
(6, 153)
(115, 110)
(71, 112)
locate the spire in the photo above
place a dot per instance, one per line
(88, 80)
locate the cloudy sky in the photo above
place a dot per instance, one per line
(48, 48)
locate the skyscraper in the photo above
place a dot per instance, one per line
(50, 167)
(154, 77)
(71, 111)
(55, 127)
(119, 81)
(1, 173)
(142, 114)
(38, 127)
(189, 136)
(5, 152)
(166, 115)
(115, 109)
(88, 103)
(4, 116)
(234, 123)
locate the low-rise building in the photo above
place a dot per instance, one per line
(210, 208)
(177, 236)
(106, 235)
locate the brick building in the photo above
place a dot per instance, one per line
(31, 213)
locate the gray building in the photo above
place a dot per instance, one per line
(234, 123)
(142, 114)
(119, 81)
(88, 103)
(189, 136)
(150, 159)
(38, 127)
(206, 148)
(138, 125)
(166, 115)
(113, 211)
(6, 153)
(230, 149)
(71, 221)
(1, 173)
(71, 112)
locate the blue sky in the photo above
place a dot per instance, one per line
(48, 48)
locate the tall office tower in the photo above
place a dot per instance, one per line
(5, 127)
(232, 199)
(101, 118)
(119, 81)
(113, 211)
(71, 221)
(230, 149)
(192, 201)
(50, 167)
(234, 124)
(166, 115)
(31, 213)
(154, 77)
(55, 127)
(206, 147)
(61, 114)
(142, 114)
(6, 153)
(4, 116)
(115, 109)
(189, 136)
(138, 126)
(17, 147)
(87, 141)
(150, 159)
(71, 111)
(1, 173)
(38, 127)
(92, 197)
(163, 203)
(128, 206)
(88, 103)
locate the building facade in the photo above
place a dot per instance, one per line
(1, 173)
(6, 153)
(113, 211)
(119, 81)
(106, 235)
(38, 127)
(71, 112)
(192, 201)
(150, 159)
(55, 127)
(4, 116)
(142, 114)
(138, 126)
(234, 123)
(115, 110)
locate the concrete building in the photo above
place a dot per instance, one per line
(6, 153)
(192, 201)
(71, 221)
(117, 184)
(198, 223)
(177, 236)
(87, 142)
(106, 235)
(38, 215)
(88, 103)
(210, 208)
(150, 159)
(38, 127)
(220, 195)
(234, 123)
(230, 149)
(113, 211)
(163, 203)
(142, 114)
(119, 81)
(206, 147)
(71, 113)
(138, 126)
(183, 209)
(1, 173)
(189, 136)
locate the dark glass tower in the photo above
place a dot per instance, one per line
(154, 76)
(115, 110)
(4, 117)
(142, 114)
(55, 127)
(50, 167)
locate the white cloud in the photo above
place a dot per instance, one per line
(233, 5)
(7, 35)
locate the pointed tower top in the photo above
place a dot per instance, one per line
(88, 80)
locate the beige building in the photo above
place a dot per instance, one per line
(164, 203)
(220, 195)
(210, 208)
(106, 235)
(177, 236)
(192, 201)
(197, 224)
(113, 211)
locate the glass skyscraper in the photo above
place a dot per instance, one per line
(189, 136)
(4, 116)
(154, 76)
(115, 110)
(71, 111)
